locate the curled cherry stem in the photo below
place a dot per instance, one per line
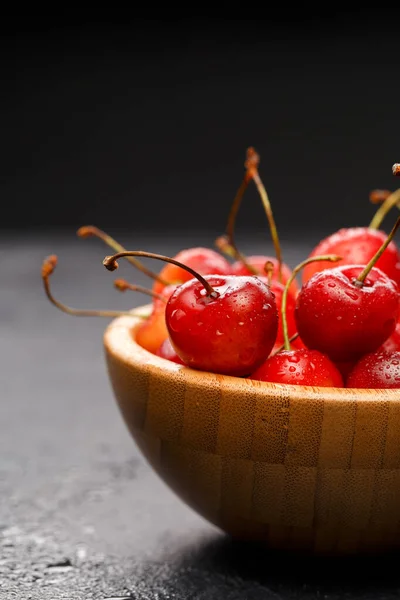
(92, 231)
(392, 200)
(48, 266)
(122, 285)
(359, 282)
(110, 263)
(311, 259)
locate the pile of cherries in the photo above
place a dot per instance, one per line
(217, 310)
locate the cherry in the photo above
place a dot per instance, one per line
(224, 324)
(302, 366)
(343, 320)
(377, 370)
(166, 350)
(396, 169)
(205, 261)
(349, 310)
(248, 265)
(392, 344)
(357, 245)
(231, 334)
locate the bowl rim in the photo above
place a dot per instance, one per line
(119, 340)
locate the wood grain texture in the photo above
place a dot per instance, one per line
(310, 469)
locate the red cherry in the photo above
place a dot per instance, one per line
(378, 370)
(232, 333)
(167, 351)
(350, 310)
(392, 344)
(341, 319)
(203, 260)
(224, 324)
(299, 367)
(356, 246)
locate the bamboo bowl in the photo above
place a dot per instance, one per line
(300, 468)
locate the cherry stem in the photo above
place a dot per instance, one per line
(359, 282)
(223, 245)
(251, 164)
(291, 339)
(91, 231)
(48, 266)
(392, 200)
(269, 270)
(228, 244)
(311, 259)
(396, 169)
(122, 285)
(110, 263)
(253, 169)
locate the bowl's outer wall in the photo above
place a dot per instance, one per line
(298, 468)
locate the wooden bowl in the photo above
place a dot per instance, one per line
(301, 468)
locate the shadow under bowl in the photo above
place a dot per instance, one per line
(299, 468)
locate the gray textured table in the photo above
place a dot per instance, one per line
(82, 516)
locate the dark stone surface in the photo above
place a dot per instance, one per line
(82, 516)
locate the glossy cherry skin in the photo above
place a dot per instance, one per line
(392, 344)
(231, 334)
(167, 351)
(378, 370)
(203, 260)
(153, 331)
(257, 261)
(356, 246)
(342, 320)
(299, 367)
(277, 289)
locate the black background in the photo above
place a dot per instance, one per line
(142, 124)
